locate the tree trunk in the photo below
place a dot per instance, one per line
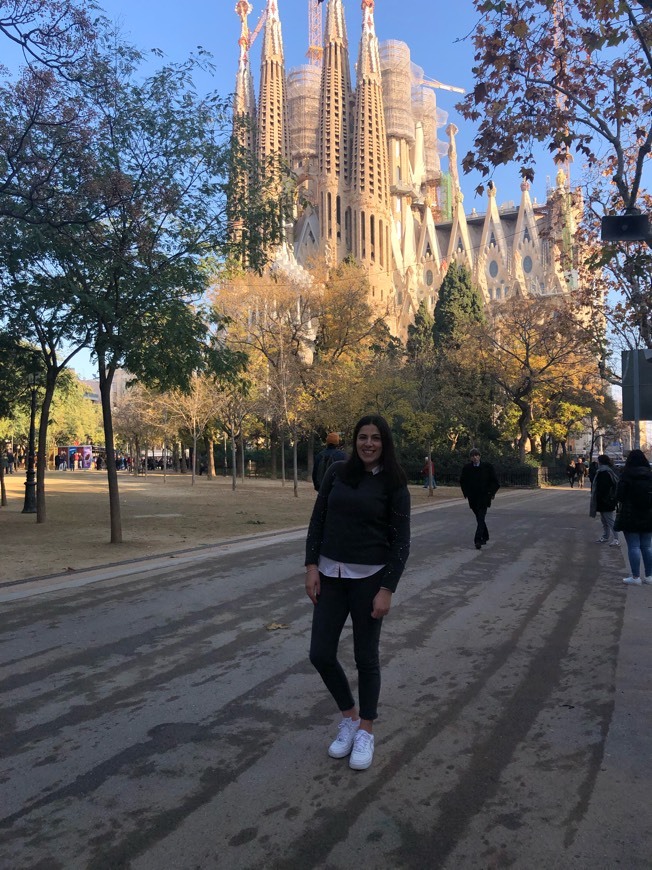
(234, 455)
(41, 455)
(242, 456)
(282, 446)
(106, 377)
(273, 450)
(210, 458)
(311, 453)
(194, 454)
(295, 466)
(3, 486)
(523, 427)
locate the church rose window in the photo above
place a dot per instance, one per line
(493, 268)
(429, 278)
(527, 264)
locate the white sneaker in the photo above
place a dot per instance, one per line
(632, 581)
(602, 540)
(615, 543)
(648, 580)
(343, 743)
(363, 751)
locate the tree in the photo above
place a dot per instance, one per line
(274, 322)
(137, 274)
(576, 76)
(192, 409)
(531, 349)
(50, 33)
(617, 285)
(458, 306)
(73, 418)
(17, 361)
(40, 309)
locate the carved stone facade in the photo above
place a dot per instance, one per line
(371, 186)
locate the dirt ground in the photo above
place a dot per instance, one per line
(159, 515)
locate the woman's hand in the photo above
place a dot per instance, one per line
(382, 603)
(312, 583)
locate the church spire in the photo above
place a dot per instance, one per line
(369, 176)
(334, 134)
(244, 103)
(273, 139)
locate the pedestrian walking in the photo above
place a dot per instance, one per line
(603, 499)
(325, 459)
(357, 546)
(479, 484)
(580, 470)
(428, 472)
(593, 468)
(634, 515)
(570, 472)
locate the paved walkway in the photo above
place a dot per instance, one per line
(454, 600)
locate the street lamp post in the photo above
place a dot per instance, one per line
(29, 506)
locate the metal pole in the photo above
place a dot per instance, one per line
(637, 402)
(29, 506)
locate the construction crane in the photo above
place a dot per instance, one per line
(558, 13)
(315, 33)
(247, 37)
(427, 82)
(258, 27)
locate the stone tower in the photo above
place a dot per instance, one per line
(273, 134)
(370, 194)
(334, 143)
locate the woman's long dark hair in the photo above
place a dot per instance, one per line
(354, 470)
(636, 459)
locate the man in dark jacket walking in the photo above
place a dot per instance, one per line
(479, 484)
(326, 458)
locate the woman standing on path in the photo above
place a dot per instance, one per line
(634, 517)
(603, 499)
(357, 546)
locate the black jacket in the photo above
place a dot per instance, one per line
(629, 517)
(367, 524)
(603, 490)
(479, 483)
(331, 454)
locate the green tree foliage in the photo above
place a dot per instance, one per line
(534, 350)
(73, 418)
(458, 307)
(260, 201)
(114, 214)
(420, 343)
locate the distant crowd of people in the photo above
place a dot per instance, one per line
(577, 470)
(13, 461)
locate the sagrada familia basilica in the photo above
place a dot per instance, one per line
(367, 159)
